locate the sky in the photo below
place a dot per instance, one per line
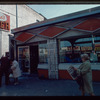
(55, 10)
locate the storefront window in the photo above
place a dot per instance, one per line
(43, 53)
(87, 48)
(65, 52)
(69, 54)
(97, 51)
(23, 58)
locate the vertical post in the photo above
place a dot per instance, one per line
(52, 59)
(93, 45)
(0, 44)
(14, 49)
(16, 16)
(16, 27)
(9, 46)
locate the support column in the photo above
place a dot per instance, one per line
(9, 46)
(15, 50)
(0, 44)
(52, 59)
(93, 44)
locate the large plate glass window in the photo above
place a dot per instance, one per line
(87, 47)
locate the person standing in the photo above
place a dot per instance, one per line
(16, 71)
(86, 74)
(4, 69)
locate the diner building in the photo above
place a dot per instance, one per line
(49, 47)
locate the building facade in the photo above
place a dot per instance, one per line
(12, 16)
(51, 46)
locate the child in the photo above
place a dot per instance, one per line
(16, 71)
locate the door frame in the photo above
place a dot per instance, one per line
(37, 55)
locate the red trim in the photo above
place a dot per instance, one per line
(90, 25)
(24, 37)
(52, 31)
(96, 75)
(63, 74)
(43, 73)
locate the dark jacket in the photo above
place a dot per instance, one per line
(5, 63)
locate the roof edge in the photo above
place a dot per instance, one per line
(83, 13)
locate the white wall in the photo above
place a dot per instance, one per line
(25, 16)
(0, 43)
(5, 42)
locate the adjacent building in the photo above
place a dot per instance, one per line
(51, 46)
(12, 16)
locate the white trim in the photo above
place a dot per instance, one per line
(64, 66)
(43, 66)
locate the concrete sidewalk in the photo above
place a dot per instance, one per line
(33, 86)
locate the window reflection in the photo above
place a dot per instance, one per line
(42, 53)
(69, 54)
(24, 58)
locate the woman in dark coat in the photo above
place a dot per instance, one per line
(86, 72)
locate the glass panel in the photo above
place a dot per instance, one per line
(87, 48)
(97, 52)
(65, 51)
(43, 53)
(84, 48)
(23, 58)
(84, 39)
(67, 54)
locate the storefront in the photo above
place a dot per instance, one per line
(51, 46)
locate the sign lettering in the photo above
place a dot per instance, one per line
(4, 21)
(4, 25)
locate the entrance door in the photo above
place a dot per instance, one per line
(33, 58)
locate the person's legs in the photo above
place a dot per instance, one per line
(83, 93)
(82, 90)
(1, 74)
(92, 94)
(6, 77)
(0, 80)
(15, 80)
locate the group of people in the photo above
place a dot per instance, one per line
(84, 73)
(8, 66)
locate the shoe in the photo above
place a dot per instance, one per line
(16, 83)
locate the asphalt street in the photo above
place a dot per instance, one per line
(33, 86)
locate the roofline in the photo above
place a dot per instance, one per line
(83, 13)
(36, 12)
